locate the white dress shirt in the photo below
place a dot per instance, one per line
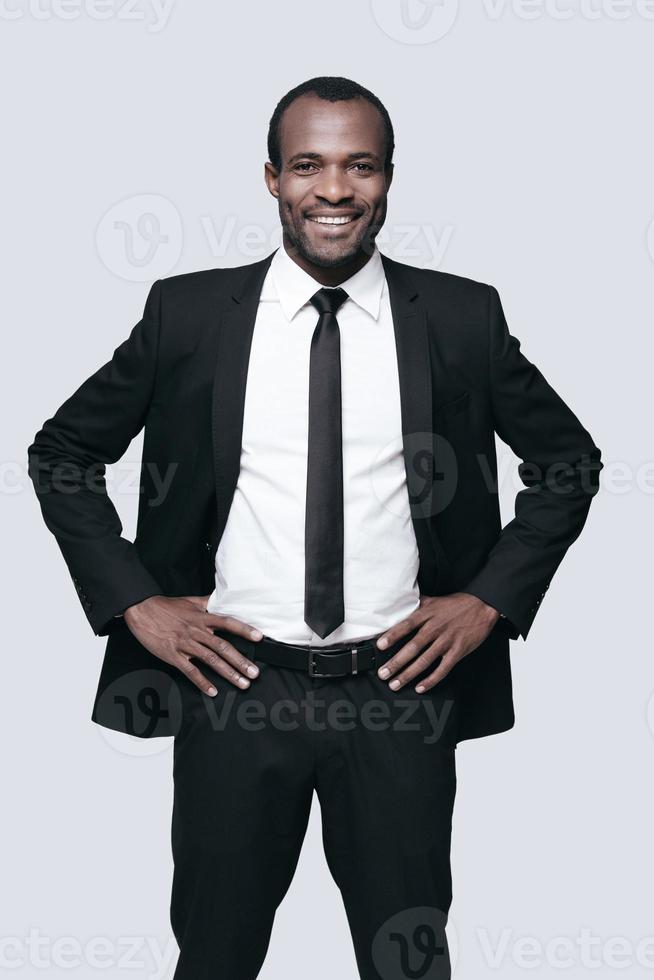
(260, 559)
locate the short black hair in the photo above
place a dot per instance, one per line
(332, 88)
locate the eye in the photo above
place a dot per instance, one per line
(304, 167)
(364, 167)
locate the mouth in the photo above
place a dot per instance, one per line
(332, 220)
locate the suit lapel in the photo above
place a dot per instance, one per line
(411, 342)
(416, 370)
(230, 377)
(415, 377)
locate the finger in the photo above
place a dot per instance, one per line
(232, 625)
(419, 665)
(217, 659)
(408, 652)
(396, 632)
(232, 655)
(195, 676)
(436, 676)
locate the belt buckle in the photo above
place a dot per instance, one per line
(312, 665)
(343, 673)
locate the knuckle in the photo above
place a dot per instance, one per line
(186, 666)
(171, 647)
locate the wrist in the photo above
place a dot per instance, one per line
(129, 611)
(492, 614)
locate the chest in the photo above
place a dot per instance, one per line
(277, 389)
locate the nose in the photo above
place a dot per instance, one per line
(333, 186)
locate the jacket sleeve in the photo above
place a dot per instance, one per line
(560, 469)
(66, 463)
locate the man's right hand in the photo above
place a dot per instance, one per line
(174, 629)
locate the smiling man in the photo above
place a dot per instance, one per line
(323, 598)
(349, 144)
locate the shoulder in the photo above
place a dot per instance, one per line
(205, 281)
(436, 286)
(194, 297)
(458, 313)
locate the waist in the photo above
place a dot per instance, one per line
(326, 660)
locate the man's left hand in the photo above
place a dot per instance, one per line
(449, 626)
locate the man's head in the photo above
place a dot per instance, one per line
(330, 147)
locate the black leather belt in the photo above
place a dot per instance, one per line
(336, 661)
(324, 661)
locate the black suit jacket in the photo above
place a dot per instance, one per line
(182, 374)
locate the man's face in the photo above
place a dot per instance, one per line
(332, 185)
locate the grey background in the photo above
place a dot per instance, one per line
(524, 159)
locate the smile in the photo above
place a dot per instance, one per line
(324, 220)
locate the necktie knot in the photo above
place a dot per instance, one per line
(328, 300)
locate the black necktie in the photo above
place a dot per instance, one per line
(324, 608)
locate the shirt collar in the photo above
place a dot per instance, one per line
(294, 287)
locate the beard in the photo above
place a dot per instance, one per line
(329, 255)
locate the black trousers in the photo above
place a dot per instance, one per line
(246, 765)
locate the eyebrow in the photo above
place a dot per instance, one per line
(351, 156)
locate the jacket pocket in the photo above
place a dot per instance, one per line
(454, 406)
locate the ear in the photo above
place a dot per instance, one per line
(271, 176)
(390, 170)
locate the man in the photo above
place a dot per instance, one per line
(320, 594)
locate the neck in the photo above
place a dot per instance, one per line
(327, 275)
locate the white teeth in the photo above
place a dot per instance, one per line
(332, 221)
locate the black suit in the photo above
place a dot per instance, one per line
(181, 374)
(243, 792)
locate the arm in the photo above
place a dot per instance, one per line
(560, 469)
(66, 463)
